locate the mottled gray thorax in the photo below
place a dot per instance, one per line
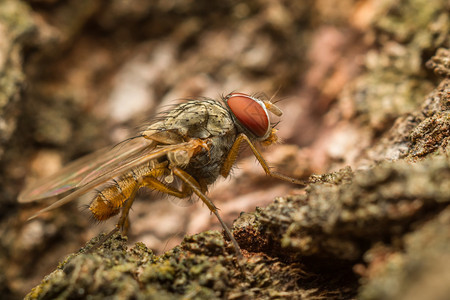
(205, 119)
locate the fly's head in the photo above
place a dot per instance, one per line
(251, 116)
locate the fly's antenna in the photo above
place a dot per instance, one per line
(274, 94)
(279, 99)
(272, 108)
(275, 124)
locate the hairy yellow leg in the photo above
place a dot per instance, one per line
(234, 151)
(195, 187)
(124, 222)
(189, 186)
(151, 183)
(155, 184)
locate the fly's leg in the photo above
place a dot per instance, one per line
(195, 187)
(153, 183)
(103, 239)
(234, 151)
(124, 222)
(190, 185)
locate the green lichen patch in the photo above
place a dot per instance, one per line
(201, 268)
(101, 272)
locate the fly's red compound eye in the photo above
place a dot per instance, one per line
(250, 112)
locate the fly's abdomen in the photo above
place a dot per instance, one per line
(109, 200)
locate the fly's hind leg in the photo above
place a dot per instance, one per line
(124, 222)
(140, 181)
(152, 183)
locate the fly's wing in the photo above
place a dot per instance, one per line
(108, 171)
(69, 177)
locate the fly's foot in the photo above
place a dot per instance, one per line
(103, 240)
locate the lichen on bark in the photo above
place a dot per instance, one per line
(201, 267)
(372, 120)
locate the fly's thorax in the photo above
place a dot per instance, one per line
(202, 119)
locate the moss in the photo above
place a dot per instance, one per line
(200, 268)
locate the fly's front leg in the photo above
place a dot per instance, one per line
(195, 187)
(234, 151)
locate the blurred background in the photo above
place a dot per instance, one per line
(79, 75)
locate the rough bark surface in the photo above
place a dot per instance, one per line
(366, 90)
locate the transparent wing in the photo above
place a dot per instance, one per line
(83, 169)
(106, 171)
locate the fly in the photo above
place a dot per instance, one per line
(180, 154)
